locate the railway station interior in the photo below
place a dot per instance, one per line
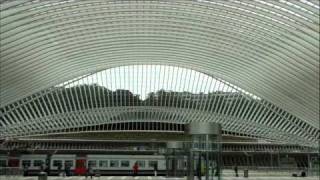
(159, 90)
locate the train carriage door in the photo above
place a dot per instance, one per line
(80, 165)
(13, 162)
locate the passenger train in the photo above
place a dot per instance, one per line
(101, 164)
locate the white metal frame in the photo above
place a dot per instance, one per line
(268, 48)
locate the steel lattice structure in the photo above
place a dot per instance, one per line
(267, 48)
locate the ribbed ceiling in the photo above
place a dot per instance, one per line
(268, 48)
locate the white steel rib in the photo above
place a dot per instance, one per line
(267, 48)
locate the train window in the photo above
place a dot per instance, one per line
(153, 163)
(92, 163)
(69, 163)
(103, 163)
(114, 163)
(141, 163)
(26, 163)
(125, 163)
(57, 163)
(37, 163)
(3, 163)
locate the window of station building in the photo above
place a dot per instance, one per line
(141, 163)
(114, 163)
(125, 163)
(37, 163)
(57, 163)
(92, 163)
(103, 163)
(3, 163)
(26, 163)
(153, 163)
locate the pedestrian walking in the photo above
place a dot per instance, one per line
(135, 169)
(90, 171)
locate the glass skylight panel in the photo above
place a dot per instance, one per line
(310, 3)
(296, 6)
(266, 10)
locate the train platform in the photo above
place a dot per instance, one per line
(155, 178)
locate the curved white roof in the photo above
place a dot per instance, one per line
(267, 48)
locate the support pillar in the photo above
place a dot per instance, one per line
(204, 147)
(174, 158)
(309, 165)
(190, 166)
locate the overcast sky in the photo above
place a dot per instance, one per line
(142, 79)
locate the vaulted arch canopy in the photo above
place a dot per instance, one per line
(152, 93)
(267, 48)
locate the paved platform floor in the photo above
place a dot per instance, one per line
(155, 178)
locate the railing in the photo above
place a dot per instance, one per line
(269, 171)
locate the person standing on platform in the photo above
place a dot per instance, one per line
(25, 170)
(87, 172)
(42, 167)
(199, 168)
(90, 171)
(67, 169)
(155, 169)
(135, 169)
(59, 169)
(236, 170)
